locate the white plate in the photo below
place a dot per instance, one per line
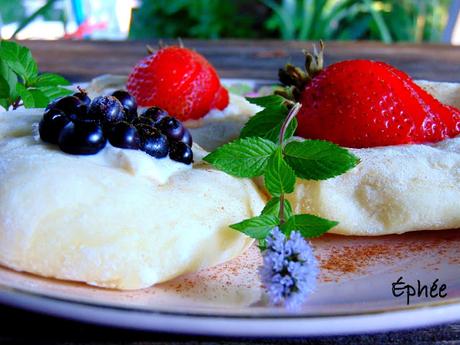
(354, 293)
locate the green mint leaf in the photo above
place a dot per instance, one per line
(318, 160)
(279, 177)
(49, 79)
(10, 77)
(4, 88)
(19, 59)
(257, 227)
(273, 207)
(26, 96)
(246, 157)
(53, 92)
(308, 225)
(262, 244)
(4, 103)
(267, 101)
(40, 99)
(267, 122)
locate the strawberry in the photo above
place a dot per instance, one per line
(179, 80)
(363, 103)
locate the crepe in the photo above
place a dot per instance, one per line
(213, 130)
(116, 219)
(395, 189)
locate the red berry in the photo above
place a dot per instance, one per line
(178, 80)
(362, 103)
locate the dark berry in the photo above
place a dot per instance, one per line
(155, 113)
(187, 138)
(142, 120)
(181, 152)
(172, 128)
(128, 102)
(82, 138)
(107, 108)
(154, 143)
(69, 105)
(82, 95)
(124, 135)
(53, 121)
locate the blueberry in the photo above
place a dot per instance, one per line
(107, 108)
(124, 135)
(153, 142)
(172, 128)
(181, 152)
(82, 138)
(128, 102)
(142, 120)
(69, 105)
(155, 113)
(53, 121)
(187, 138)
(82, 95)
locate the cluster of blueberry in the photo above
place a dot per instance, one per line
(82, 127)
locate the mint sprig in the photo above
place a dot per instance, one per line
(267, 123)
(261, 151)
(20, 82)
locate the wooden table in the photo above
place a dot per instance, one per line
(80, 61)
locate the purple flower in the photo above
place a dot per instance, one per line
(290, 269)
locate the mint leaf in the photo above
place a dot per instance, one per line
(26, 96)
(40, 100)
(257, 227)
(49, 79)
(19, 59)
(4, 88)
(273, 207)
(267, 101)
(11, 79)
(267, 122)
(279, 177)
(308, 225)
(243, 157)
(5, 103)
(53, 92)
(318, 160)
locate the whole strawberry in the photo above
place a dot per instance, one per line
(179, 80)
(363, 103)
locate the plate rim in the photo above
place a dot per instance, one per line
(236, 326)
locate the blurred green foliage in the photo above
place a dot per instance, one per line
(192, 18)
(11, 11)
(386, 20)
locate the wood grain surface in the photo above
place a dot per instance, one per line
(83, 60)
(80, 61)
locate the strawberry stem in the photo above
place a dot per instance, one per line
(292, 113)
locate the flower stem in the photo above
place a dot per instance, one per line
(16, 104)
(292, 113)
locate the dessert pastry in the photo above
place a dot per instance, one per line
(406, 139)
(210, 131)
(124, 213)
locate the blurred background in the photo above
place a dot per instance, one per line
(383, 20)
